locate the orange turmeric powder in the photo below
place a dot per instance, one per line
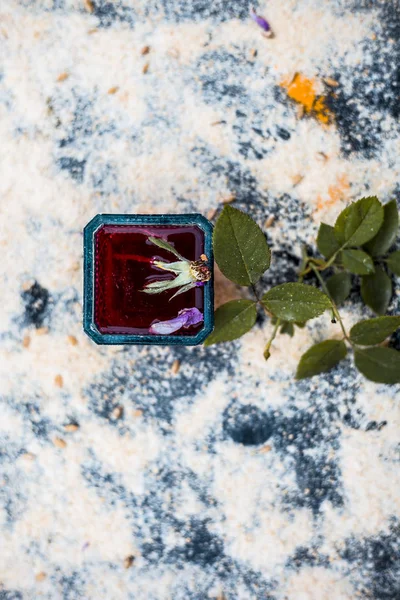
(337, 191)
(303, 91)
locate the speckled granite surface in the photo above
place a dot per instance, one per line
(120, 476)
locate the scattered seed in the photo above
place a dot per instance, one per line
(26, 341)
(62, 77)
(253, 52)
(306, 491)
(42, 330)
(290, 436)
(49, 105)
(58, 381)
(211, 214)
(41, 576)
(268, 34)
(145, 50)
(117, 412)
(175, 367)
(72, 340)
(214, 123)
(265, 449)
(137, 413)
(331, 82)
(92, 31)
(128, 562)
(71, 427)
(59, 442)
(269, 221)
(322, 156)
(26, 285)
(113, 90)
(145, 68)
(174, 52)
(297, 179)
(300, 111)
(28, 456)
(88, 4)
(229, 199)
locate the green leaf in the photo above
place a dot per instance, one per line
(373, 331)
(156, 287)
(339, 286)
(393, 262)
(381, 365)
(386, 236)
(183, 289)
(327, 243)
(295, 301)
(240, 247)
(232, 320)
(376, 291)
(321, 358)
(166, 246)
(359, 222)
(357, 262)
(177, 267)
(287, 328)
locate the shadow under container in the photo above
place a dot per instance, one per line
(123, 256)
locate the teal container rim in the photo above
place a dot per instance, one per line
(88, 279)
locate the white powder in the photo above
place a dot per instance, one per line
(372, 485)
(256, 531)
(317, 583)
(127, 455)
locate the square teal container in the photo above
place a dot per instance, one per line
(89, 252)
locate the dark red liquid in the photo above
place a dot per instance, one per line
(122, 268)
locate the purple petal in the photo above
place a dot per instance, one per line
(170, 326)
(260, 21)
(193, 316)
(185, 318)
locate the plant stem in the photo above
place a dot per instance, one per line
(304, 262)
(330, 261)
(321, 267)
(271, 339)
(253, 289)
(334, 307)
(257, 297)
